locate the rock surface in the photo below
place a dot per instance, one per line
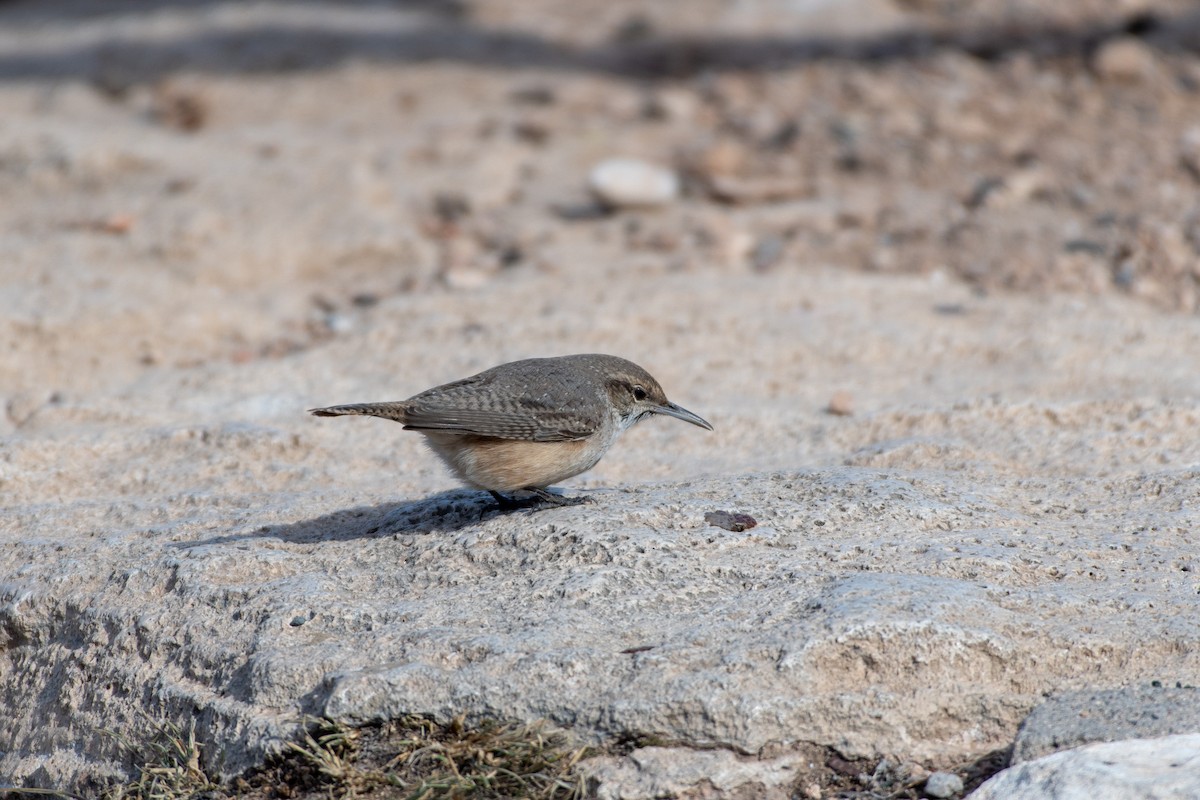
(650, 772)
(938, 568)
(1166, 768)
(1073, 719)
(206, 245)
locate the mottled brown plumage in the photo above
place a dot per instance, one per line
(529, 424)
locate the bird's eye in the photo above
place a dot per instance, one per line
(639, 393)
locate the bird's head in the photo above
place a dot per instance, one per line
(635, 394)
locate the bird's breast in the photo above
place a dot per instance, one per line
(505, 465)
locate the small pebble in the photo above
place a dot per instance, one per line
(950, 309)
(181, 109)
(337, 322)
(730, 521)
(726, 157)
(629, 183)
(1126, 58)
(535, 95)
(841, 404)
(674, 104)
(767, 252)
(1189, 151)
(532, 131)
(466, 278)
(118, 224)
(943, 784)
(761, 190)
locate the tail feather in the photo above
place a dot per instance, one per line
(392, 411)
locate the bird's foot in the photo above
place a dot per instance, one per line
(506, 503)
(541, 499)
(557, 499)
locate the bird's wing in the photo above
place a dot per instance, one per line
(470, 407)
(497, 424)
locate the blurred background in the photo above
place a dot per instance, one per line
(201, 183)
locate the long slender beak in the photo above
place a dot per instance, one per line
(679, 412)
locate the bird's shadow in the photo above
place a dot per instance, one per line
(440, 513)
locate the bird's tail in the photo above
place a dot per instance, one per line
(392, 411)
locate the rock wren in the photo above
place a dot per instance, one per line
(529, 424)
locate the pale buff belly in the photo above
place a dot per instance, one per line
(506, 465)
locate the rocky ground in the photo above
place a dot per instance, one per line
(931, 269)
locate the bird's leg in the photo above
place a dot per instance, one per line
(505, 503)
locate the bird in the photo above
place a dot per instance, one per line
(526, 425)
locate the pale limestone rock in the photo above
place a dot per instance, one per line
(1167, 768)
(652, 772)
